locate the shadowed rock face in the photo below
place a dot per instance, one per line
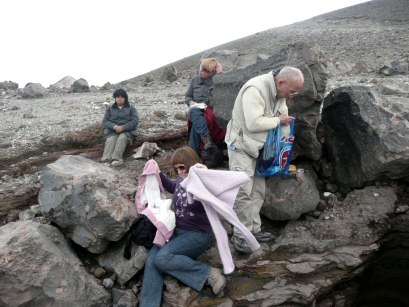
(305, 106)
(367, 135)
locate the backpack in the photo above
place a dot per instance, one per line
(142, 232)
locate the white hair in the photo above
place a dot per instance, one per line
(291, 74)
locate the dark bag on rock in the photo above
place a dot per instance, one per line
(142, 232)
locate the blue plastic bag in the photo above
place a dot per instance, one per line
(275, 157)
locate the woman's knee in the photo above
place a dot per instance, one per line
(162, 260)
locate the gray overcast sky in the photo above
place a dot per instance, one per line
(114, 40)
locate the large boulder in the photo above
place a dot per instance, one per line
(289, 197)
(38, 268)
(33, 90)
(8, 85)
(367, 135)
(80, 86)
(64, 83)
(88, 200)
(305, 106)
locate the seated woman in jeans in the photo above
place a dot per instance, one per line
(192, 237)
(204, 131)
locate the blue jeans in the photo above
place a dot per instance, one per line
(176, 258)
(199, 129)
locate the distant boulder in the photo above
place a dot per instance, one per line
(64, 83)
(170, 74)
(33, 90)
(8, 85)
(80, 86)
(107, 86)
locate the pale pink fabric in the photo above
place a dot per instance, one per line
(151, 202)
(217, 191)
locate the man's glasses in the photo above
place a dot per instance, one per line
(179, 168)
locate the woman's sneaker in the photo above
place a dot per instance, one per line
(217, 281)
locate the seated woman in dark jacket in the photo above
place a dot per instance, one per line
(120, 123)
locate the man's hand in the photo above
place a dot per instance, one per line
(119, 129)
(285, 119)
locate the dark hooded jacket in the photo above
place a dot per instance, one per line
(126, 116)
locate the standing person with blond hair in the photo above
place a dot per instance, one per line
(260, 106)
(204, 131)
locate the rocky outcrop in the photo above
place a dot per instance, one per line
(305, 106)
(38, 268)
(89, 201)
(367, 135)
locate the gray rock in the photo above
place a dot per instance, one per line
(170, 74)
(33, 90)
(8, 85)
(80, 86)
(289, 197)
(361, 219)
(88, 200)
(124, 298)
(26, 215)
(367, 136)
(113, 260)
(38, 268)
(108, 283)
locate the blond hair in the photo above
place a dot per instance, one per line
(209, 65)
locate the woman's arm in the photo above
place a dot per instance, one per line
(168, 184)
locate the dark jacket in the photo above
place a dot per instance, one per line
(127, 117)
(200, 90)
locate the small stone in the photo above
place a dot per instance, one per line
(99, 272)
(108, 283)
(375, 194)
(402, 209)
(26, 215)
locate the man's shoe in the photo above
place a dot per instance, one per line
(217, 281)
(240, 245)
(207, 141)
(116, 163)
(264, 236)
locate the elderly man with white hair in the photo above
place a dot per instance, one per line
(260, 106)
